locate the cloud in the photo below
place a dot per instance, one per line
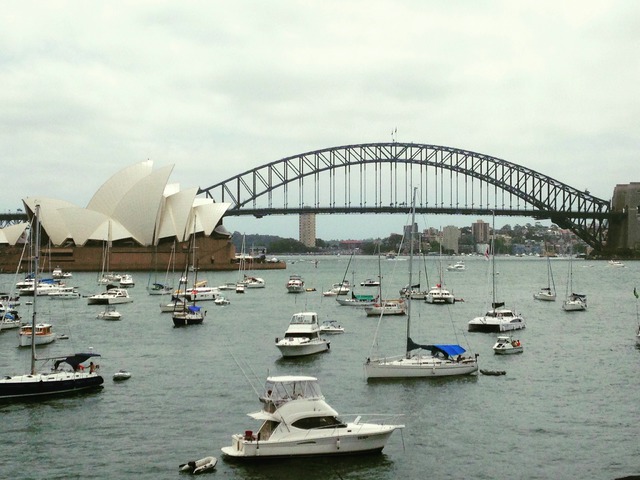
(218, 89)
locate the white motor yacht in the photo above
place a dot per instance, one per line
(297, 421)
(505, 345)
(126, 281)
(456, 267)
(112, 296)
(302, 337)
(387, 307)
(253, 282)
(295, 284)
(331, 327)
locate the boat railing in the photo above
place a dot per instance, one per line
(375, 418)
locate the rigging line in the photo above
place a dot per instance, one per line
(374, 343)
(242, 369)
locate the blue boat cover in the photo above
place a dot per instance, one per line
(447, 350)
(194, 308)
(451, 350)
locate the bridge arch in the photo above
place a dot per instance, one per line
(379, 178)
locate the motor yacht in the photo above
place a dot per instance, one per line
(302, 336)
(297, 421)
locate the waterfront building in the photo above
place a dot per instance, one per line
(307, 229)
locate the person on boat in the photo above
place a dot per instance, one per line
(92, 368)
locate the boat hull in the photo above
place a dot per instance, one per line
(545, 297)
(390, 308)
(355, 443)
(41, 385)
(288, 350)
(507, 351)
(497, 321)
(573, 306)
(186, 320)
(108, 301)
(349, 302)
(438, 300)
(423, 367)
(25, 340)
(495, 327)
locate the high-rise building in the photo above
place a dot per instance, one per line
(480, 231)
(307, 229)
(450, 238)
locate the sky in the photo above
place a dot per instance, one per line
(218, 88)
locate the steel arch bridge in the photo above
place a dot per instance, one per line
(380, 178)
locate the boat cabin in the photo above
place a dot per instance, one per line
(304, 318)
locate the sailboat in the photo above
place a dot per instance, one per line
(574, 302)
(185, 313)
(421, 361)
(385, 306)
(547, 293)
(499, 318)
(165, 288)
(439, 294)
(106, 276)
(67, 375)
(354, 300)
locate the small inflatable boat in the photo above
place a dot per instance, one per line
(203, 465)
(121, 375)
(493, 372)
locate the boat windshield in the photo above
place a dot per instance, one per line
(304, 318)
(291, 388)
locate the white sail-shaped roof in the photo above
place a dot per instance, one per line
(107, 197)
(177, 208)
(139, 208)
(13, 233)
(50, 219)
(136, 203)
(89, 225)
(209, 214)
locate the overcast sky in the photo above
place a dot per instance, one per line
(217, 88)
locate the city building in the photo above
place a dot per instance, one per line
(307, 229)
(480, 231)
(450, 238)
(626, 199)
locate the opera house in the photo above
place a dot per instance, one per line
(137, 220)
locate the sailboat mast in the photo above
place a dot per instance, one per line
(493, 261)
(408, 300)
(36, 255)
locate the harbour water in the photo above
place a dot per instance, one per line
(566, 408)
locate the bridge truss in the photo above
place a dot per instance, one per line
(380, 178)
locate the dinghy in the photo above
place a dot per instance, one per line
(121, 375)
(203, 465)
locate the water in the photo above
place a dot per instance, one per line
(567, 407)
